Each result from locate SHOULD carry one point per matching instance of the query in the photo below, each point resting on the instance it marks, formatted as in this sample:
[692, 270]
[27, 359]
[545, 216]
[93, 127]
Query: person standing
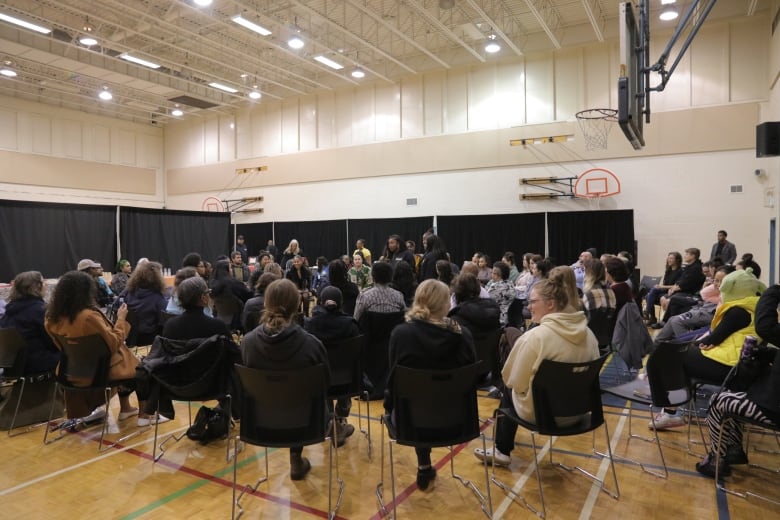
[273, 251]
[724, 249]
[242, 248]
[360, 245]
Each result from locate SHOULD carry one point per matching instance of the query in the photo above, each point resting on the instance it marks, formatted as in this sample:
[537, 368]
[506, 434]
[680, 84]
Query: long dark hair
[677, 259]
[221, 270]
[337, 274]
[401, 247]
[404, 281]
[435, 246]
[74, 292]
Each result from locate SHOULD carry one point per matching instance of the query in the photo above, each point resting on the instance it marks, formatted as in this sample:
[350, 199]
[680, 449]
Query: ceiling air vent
[192, 102]
[735, 188]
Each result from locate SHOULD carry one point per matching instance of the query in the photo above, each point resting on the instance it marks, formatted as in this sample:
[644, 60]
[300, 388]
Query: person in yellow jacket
[711, 356]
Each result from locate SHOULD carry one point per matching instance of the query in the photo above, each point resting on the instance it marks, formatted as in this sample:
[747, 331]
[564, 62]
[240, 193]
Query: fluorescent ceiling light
[220, 86]
[330, 63]
[177, 112]
[262, 31]
[669, 13]
[105, 95]
[87, 40]
[358, 73]
[255, 94]
[295, 42]
[8, 73]
[25, 24]
[202, 3]
[139, 61]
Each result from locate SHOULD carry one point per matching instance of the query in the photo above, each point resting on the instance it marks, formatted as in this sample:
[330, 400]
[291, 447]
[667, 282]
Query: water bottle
[748, 348]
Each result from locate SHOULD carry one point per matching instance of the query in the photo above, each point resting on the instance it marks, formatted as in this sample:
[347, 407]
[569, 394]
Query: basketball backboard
[632, 83]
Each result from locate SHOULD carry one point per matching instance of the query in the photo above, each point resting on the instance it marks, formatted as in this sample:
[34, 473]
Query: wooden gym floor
[69, 479]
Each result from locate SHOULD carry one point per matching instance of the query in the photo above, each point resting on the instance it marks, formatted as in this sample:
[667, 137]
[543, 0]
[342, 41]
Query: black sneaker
[707, 466]
[299, 467]
[425, 476]
[735, 455]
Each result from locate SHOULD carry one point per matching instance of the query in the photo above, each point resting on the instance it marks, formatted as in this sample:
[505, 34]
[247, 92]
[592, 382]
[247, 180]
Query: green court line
[192, 487]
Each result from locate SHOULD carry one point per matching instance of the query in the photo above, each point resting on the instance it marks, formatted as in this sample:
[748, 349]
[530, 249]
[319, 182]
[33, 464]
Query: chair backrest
[514, 315]
[669, 385]
[648, 282]
[567, 390]
[486, 346]
[84, 357]
[435, 407]
[602, 322]
[228, 308]
[379, 325]
[283, 408]
[164, 317]
[12, 345]
[346, 371]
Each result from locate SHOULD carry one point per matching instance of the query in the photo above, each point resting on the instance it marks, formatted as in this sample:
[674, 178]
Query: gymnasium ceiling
[195, 46]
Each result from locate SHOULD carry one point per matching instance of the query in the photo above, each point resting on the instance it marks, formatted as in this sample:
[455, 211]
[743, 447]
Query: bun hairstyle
[747, 261]
[553, 288]
[431, 300]
[282, 299]
[563, 276]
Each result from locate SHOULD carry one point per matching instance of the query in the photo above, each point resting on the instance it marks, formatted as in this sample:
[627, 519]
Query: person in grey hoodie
[279, 343]
[562, 335]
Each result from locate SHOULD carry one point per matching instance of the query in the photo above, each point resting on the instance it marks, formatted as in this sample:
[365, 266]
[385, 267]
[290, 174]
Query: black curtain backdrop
[166, 236]
[572, 232]
[326, 238]
[492, 234]
[376, 230]
[256, 236]
[52, 238]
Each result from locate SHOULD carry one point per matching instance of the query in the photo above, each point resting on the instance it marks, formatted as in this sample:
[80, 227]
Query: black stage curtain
[52, 238]
[376, 230]
[166, 236]
[326, 238]
[572, 232]
[492, 234]
[256, 236]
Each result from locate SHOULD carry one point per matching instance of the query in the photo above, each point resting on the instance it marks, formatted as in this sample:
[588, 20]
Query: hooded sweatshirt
[560, 336]
[479, 315]
[26, 315]
[289, 349]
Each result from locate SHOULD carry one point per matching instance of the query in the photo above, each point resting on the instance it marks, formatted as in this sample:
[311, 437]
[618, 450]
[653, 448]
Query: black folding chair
[377, 327]
[346, 376]
[12, 360]
[562, 390]
[431, 409]
[514, 315]
[602, 322]
[486, 346]
[284, 409]
[666, 385]
[84, 357]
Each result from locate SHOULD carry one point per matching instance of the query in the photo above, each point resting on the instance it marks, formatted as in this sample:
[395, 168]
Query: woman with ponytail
[279, 343]
[428, 340]
[562, 335]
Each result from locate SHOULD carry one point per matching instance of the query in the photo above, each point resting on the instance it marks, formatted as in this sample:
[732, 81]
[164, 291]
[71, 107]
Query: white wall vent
[411, 202]
[735, 188]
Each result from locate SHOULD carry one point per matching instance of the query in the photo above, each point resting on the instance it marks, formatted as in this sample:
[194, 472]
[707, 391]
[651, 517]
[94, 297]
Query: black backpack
[210, 424]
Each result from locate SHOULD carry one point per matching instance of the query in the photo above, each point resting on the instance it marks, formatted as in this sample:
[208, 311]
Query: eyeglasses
[533, 302]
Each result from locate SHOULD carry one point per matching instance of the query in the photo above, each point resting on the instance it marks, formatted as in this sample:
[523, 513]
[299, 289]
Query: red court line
[217, 480]
[413, 487]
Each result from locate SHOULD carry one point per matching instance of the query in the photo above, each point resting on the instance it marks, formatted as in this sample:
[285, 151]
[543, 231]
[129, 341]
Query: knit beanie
[740, 284]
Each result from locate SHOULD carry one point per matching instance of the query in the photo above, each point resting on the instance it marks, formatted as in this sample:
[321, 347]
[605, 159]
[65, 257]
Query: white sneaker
[665, 421]
[497, 458]
[146, 421]
[97, 415]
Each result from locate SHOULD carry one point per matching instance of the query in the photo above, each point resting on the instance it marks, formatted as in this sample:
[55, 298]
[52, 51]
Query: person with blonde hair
[293, 249]
[279, 343]
[428, 340]
[562, 335]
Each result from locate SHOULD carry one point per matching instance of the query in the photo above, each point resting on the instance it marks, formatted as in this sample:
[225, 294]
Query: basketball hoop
[595, 124]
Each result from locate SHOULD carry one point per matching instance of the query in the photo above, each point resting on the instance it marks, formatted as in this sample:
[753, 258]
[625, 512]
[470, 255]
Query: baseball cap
[86, 264]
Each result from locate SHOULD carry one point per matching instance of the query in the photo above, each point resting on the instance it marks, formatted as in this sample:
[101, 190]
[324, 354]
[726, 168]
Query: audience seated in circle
[253, 308]
[404, 281]
[122, 275]
[501, 290]
[381, 297]
[144, 298]
[360, 273]
[337, 277]
[672, 272]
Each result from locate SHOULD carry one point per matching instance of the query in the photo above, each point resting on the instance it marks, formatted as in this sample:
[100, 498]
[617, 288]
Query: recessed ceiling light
[251, 25]
[24, 23]
[202, 3]
[177, 112]
[87, 40]
[295, 42]
[255, 94]
[329, 62]
[105, 94]
[358, 73]
[139, 61]
[220, 86]
[8, 73]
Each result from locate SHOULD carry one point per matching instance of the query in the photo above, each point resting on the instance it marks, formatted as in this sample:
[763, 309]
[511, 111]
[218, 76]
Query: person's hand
[702, 346]
[121, 313]
[657, 286]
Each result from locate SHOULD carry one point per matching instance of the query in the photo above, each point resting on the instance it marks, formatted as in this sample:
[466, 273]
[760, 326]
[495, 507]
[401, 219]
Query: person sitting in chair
[562, 335]
[381, 297]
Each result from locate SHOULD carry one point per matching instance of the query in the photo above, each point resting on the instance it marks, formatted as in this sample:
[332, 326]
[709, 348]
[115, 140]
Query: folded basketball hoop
[595, 124]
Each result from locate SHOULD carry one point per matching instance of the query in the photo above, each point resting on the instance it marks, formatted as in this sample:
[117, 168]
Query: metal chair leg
[333, 452]
[486, 504]
[631, 435]
[380, 485]
[29, 428]
[247, 487]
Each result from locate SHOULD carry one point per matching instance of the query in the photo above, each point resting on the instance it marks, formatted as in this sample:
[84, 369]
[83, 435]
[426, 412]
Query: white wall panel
[510, 93]
[101, 143]
[326, 120]
[227, 138]
[569, 81]
[540, 88]
[123, 146]
[363, 116]
[8, 129]
[456, 102]
[710, 64]
[243, 132]
[598, 79]
[69, 133]
[433, 103]
[272, 130]
[412, 100]
[290, 122]
[343, 117]
[149, 152]
[40, 127]
[308, 123]
[211, 139]
[256, 133]
[388, 111]
[749, 59]
[482, 102]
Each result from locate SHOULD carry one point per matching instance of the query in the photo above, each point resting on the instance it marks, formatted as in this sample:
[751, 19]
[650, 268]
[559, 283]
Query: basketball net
[595, 124]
